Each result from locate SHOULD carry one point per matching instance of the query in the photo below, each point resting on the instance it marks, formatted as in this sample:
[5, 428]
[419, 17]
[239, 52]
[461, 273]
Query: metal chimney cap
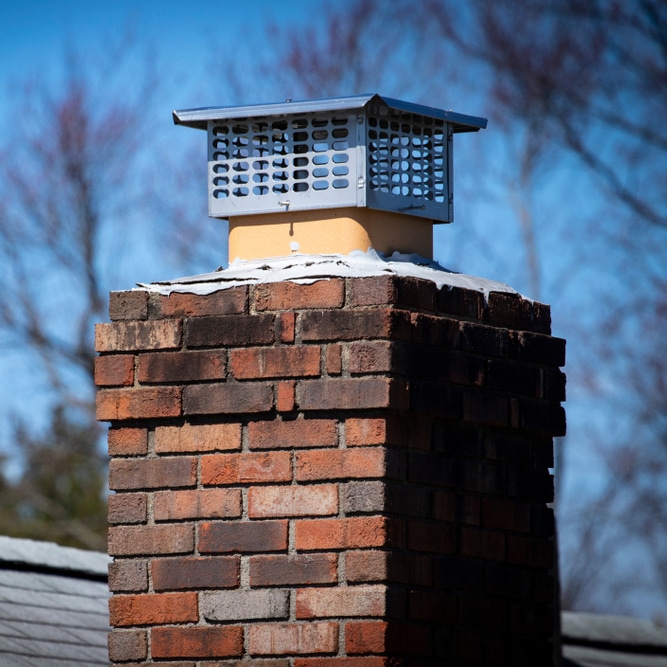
[198, 118]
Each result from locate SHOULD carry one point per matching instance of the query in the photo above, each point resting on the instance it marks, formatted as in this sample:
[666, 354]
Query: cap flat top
[198, 118]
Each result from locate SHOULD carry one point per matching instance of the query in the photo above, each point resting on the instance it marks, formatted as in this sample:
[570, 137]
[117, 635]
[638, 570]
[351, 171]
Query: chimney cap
[198, 118]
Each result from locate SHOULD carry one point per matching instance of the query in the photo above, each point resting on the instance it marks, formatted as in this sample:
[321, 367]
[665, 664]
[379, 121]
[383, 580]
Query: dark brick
[128, 305]
[160, 473]
[243, 536]
[218, 398]
[160, 367]
[461, 301]
[428, 468]
[541, 416]
[127, 508]
[302, 569]
[510, 311]
[343, 394]
[339, 325]
[442, 332]
[406, 292]
[229, 330]
[541, 349]
[173, 574]
[487, 341]
[436, 398]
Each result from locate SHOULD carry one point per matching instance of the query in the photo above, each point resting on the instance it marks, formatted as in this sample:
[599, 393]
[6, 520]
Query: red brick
[224, 302]
[242, 536]
[197, 438]
[128, 576]
[363, 566]
[403, 291]
[340, 325]
[376, 356]
[356, 463]
[431, 536]
[285, 327]
[114, 370]
[127, 508]
[145, 403]
[341, 601]
[230, 330]
[131, 305]
[130, 336]
[218, 398]
[334, 361]
[354, 533]
[195, 573]
[163, 367]
[275, 362]
[152, 473]
[251, 468]
[296, 570]
[365, 637]
[197, 504]
[292, 501]
[127, 645]
[291, 434]
[285, 396]
[198, 642]
[366, 431]
[347, 394]
[153, 609]
[149, 540]
[292, 638]
[293, 296]
[128, 441]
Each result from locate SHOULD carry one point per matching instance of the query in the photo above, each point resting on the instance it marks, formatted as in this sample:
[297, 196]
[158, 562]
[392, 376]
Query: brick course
[351, 472]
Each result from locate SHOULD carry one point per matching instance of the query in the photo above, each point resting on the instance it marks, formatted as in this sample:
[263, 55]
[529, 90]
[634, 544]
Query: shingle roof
[594, 640]
[53, 605]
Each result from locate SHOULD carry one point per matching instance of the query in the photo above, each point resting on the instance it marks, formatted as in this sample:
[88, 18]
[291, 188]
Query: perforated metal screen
[274, 164]
[361, 151]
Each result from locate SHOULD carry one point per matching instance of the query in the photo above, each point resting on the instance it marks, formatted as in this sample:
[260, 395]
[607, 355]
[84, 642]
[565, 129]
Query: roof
[595, 640]
[53, 605]
[199, 118]
[53, 613]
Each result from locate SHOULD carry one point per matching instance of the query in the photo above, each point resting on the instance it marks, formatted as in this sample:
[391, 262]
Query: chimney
[329, 460]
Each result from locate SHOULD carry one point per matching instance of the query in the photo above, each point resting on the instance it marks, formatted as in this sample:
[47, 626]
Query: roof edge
[199, 117]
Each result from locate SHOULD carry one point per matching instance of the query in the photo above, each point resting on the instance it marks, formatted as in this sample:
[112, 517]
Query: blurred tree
[60, 494]
[80, 200]
[578, 88]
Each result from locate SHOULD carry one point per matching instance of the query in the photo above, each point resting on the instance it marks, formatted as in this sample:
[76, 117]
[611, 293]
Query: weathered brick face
[349, 473]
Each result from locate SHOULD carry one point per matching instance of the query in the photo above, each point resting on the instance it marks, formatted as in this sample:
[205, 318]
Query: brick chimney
[348, 470]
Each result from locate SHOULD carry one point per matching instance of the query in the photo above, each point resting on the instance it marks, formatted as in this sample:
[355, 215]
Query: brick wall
[352, 472]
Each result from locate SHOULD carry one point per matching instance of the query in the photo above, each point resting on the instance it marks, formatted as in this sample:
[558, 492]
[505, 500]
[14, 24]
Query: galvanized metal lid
[199, 118]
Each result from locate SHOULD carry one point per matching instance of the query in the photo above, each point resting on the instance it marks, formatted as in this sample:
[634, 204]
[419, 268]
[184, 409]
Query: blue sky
[190, 41]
